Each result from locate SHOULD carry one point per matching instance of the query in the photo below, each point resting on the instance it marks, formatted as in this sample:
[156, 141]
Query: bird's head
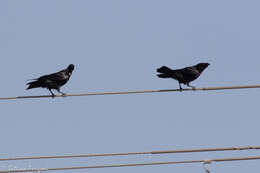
[70, 67]
[202, 66]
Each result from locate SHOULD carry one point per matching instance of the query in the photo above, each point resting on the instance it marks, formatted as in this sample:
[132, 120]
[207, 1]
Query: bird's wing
[177, 74]
[59, 76]
[190, 71]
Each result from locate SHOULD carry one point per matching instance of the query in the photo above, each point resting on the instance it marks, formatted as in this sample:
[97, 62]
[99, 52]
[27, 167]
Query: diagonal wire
[135, 164]
[135, 153]
[135, 92]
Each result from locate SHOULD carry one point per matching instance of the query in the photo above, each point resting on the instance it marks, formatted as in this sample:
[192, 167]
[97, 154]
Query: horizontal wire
[135, 164]
[135, 153]
[136, 92]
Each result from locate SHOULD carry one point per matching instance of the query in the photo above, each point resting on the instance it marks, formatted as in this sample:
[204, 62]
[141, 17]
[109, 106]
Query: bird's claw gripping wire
[192, 87]
[63, 95]
[180, 87]
[52, 94]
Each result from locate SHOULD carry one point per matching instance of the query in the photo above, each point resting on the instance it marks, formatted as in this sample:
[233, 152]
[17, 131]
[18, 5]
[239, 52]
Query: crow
[53, 81]
[185, 75]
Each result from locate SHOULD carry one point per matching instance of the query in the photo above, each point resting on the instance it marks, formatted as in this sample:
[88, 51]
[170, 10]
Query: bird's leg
[180, 87]
[193, 87]
[62, 93]
[52, 94]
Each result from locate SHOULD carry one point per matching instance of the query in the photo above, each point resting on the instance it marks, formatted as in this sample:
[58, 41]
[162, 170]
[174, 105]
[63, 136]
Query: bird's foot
[52, 94]
[63, 95]
[192, 87]
[180, 87]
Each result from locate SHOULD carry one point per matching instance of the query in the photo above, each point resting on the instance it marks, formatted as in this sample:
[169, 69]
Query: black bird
[185, 75]
[53, 81]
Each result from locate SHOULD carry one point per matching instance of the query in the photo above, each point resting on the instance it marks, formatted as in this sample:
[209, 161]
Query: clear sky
[117, 45]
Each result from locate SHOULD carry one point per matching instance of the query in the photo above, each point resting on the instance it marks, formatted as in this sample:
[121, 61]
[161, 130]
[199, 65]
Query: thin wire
[135, 153]
[135, 92]
[134, 164]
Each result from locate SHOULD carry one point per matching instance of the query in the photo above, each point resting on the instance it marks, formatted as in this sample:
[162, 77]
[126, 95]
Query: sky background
[117, 45]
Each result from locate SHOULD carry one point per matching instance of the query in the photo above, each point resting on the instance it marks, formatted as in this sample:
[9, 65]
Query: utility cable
[135, 92]
[135, 153]
[135, 164]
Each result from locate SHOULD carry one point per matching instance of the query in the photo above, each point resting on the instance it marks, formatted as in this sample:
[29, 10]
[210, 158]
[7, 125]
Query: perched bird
[185, 75]
[52, 81]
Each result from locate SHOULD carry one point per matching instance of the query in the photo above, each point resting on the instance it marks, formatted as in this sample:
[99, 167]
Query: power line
[136, 92]
[135, 153]
[135, 164]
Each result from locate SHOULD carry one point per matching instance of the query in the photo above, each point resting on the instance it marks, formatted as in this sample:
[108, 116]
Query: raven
[53, 81]
[185, 75]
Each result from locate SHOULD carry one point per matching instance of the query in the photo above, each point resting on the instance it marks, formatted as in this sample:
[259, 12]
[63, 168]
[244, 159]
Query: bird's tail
[34, 84]
[166, 72]
[32, 79]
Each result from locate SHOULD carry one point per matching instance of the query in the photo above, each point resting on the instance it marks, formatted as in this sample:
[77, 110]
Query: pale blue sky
[117, 45]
